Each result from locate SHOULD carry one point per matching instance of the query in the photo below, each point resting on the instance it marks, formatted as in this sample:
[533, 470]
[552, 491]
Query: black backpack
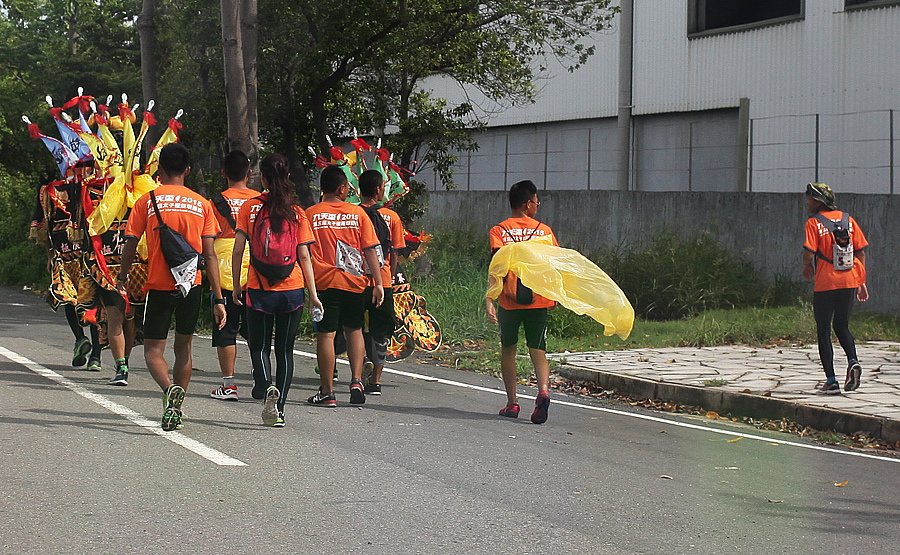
[224, 209]
[382, 231]
[842, 249]
[175, 248]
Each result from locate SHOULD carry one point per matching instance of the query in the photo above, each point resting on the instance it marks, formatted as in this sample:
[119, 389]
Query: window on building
[722, 15]
[869, 3]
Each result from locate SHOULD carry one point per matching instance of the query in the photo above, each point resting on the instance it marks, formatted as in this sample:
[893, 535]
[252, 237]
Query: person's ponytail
[280, 198]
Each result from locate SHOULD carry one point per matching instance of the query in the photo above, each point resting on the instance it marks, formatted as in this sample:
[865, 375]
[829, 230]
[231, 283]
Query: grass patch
[452, 278]
[715, 383]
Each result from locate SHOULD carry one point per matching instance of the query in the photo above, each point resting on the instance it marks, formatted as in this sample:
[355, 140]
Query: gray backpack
[842, 246]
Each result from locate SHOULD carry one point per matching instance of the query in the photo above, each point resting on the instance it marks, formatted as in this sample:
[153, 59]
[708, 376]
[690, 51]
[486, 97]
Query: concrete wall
[766, 228]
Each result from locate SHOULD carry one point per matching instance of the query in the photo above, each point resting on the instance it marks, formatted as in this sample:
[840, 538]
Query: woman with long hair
[278, 234]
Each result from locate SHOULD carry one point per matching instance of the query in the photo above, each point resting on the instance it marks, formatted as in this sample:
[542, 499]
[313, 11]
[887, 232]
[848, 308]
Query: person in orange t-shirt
[381, 318]
[838, 276]
[519, 306]
[190, 215]
[273, 303]
[226, 205]
[344, 248]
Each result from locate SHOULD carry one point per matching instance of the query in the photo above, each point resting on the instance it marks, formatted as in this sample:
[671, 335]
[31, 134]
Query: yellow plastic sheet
[224, 248]
[567, 277]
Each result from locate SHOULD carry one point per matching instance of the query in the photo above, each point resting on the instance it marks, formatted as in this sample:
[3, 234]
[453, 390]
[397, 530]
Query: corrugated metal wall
[837, 67]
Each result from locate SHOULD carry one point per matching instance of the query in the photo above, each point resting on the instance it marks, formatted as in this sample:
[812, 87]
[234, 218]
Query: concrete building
[725, 95]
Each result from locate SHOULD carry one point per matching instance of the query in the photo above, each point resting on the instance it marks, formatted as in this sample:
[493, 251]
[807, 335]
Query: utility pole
[626, 60]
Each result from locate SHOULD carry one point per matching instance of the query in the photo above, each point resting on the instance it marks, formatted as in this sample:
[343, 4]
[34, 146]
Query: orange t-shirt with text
[515, 230]
[820, 241]
[398, 241]
[342, 231]
[184, 211]
[235, 198]
[246, 220]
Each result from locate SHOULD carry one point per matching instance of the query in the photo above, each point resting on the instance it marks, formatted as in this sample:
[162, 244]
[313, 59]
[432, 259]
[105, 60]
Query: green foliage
[21, 261]
[674, 277]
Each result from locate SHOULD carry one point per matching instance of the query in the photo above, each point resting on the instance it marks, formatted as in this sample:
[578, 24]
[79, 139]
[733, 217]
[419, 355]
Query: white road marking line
[622, 413]
[192, 445]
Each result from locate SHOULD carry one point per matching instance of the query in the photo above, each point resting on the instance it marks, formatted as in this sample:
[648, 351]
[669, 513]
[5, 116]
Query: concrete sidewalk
[758, 382]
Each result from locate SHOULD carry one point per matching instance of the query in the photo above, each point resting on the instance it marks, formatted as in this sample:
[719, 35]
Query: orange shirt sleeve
[305, 235]
[398, 236]
[137, 221]
[243, 218]
[859, 238]
[210, 225]
[496, 240]
[812, 235]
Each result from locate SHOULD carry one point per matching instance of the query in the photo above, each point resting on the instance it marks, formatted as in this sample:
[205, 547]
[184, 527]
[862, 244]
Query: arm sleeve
[137, 221]
[210, 225]
[398, 236]
[243, 219]
[812, 235]
[859, 238]
[305, 235]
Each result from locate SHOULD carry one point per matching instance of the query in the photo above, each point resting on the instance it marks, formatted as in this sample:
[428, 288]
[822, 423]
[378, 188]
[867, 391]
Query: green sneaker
[171, 418]
[81, 351]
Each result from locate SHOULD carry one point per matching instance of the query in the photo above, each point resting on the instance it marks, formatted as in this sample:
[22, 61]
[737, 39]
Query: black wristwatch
[219, 301]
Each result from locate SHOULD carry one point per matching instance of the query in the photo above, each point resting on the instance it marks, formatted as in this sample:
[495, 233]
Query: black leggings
[259, 339]
[832, 308]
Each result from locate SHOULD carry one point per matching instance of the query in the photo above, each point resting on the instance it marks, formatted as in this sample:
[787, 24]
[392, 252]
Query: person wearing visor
[834, 259]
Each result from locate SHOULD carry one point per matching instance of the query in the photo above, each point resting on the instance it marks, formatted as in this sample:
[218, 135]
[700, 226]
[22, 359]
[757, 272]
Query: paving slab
[759, 382]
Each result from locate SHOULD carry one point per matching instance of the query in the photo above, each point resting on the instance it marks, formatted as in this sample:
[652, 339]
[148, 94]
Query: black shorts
[235, 323]
[110, 299]
[381, 321]
[162, 305]
[533, 319]
[342, 308]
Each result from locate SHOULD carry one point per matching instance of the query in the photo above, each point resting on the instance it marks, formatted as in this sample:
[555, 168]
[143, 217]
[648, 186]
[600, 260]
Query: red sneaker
[510, 411]
[541, 406]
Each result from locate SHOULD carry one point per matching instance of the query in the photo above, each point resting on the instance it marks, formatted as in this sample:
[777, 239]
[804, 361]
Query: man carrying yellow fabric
[519, 305]
[227, 204]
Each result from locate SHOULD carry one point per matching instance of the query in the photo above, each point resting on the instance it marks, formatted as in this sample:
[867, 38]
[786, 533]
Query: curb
[739, 404]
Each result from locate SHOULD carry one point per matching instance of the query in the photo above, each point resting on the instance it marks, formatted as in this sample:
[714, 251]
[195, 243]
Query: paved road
[426, 468]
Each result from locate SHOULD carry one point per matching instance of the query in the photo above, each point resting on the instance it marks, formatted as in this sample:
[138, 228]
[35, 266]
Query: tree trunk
[249, 34]
[146, 24]
[235, 82]
[72, 34]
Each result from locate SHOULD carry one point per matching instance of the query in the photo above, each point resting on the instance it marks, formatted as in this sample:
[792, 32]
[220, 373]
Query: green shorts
[534, 321]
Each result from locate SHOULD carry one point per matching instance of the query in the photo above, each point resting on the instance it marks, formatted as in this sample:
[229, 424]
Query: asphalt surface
[426, 468]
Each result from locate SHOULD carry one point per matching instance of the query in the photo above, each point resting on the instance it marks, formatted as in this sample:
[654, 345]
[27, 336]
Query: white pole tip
[26, 120]
[150, 105]
[49, 100]
[179, 113]
[80, 91]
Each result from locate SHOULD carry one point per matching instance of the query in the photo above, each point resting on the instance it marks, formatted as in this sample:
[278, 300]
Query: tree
[146, 24]
[239, 38]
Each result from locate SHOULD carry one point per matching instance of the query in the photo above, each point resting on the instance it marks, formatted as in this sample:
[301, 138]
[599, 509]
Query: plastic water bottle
[317, 314]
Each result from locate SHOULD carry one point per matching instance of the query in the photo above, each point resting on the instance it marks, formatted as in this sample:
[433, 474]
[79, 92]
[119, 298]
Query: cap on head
[822, 193]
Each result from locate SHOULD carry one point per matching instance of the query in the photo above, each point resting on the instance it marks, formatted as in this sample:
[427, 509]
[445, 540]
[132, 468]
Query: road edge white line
[190, 444]
[647, 417]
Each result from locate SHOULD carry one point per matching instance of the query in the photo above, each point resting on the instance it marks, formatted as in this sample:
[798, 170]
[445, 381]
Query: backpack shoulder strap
[845, 220]
[829, 225]
[222, 207]
[156, 208]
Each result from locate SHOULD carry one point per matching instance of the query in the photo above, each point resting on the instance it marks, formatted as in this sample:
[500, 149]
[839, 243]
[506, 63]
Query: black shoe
[121, 377]
[324, 400]
[373, 389]
[829, 388]
[259, 390]
[854, 371]
[81, 351]
[357, 393]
